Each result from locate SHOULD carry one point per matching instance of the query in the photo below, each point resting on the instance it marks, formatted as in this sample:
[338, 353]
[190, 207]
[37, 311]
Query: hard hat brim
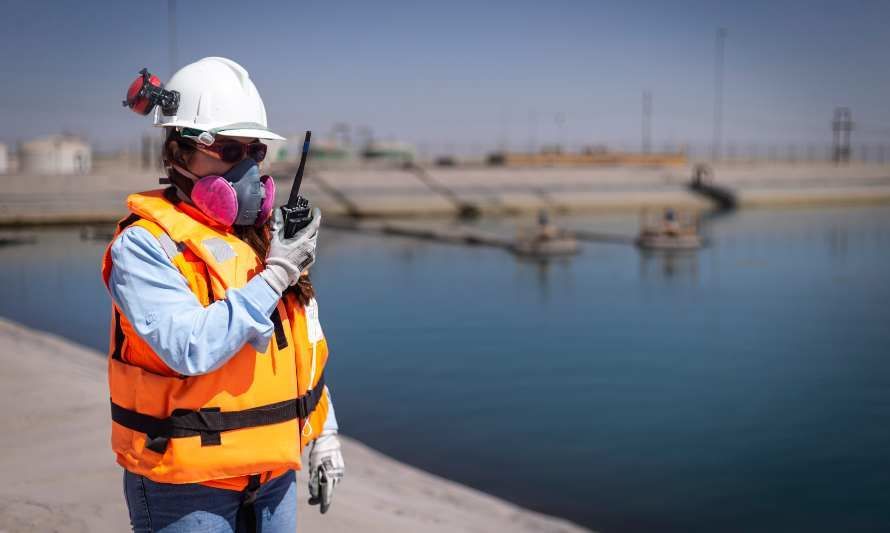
[239, 132]
[251, 134]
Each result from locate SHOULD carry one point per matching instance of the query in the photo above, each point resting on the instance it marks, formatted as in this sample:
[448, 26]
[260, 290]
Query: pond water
[744, 387]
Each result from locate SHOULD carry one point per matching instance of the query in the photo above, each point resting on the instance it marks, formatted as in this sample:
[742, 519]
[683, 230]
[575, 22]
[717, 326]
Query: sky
[459, 75]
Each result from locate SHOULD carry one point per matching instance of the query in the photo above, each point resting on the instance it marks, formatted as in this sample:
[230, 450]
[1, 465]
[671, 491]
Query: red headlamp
[147, 91]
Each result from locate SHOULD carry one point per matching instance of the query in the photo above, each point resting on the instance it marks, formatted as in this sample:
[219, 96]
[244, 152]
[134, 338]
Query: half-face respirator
[240, 197]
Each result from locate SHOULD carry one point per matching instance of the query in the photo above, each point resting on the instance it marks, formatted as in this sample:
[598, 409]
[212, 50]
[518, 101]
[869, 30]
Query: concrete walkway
[59, 473]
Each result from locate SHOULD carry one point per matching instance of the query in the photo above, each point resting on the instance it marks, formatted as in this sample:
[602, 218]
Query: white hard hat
[216, 96]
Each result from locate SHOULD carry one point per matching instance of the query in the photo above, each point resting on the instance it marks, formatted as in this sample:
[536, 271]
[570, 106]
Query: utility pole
[560, 120]
[171, 24]
[503, 141]
[647, 122]
[718, 94]
[532, 131]
[841, 127]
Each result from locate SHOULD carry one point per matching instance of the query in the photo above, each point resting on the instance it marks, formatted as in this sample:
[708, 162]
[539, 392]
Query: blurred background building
[55, 154]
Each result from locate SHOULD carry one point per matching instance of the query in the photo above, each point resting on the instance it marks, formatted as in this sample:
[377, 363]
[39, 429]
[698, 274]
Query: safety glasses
[232, 151]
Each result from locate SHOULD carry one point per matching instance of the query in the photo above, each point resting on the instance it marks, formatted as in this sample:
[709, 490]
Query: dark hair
[177, 150]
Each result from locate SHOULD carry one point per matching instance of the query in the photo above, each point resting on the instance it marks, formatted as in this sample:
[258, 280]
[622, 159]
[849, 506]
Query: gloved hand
[326, 469]
[287, 258]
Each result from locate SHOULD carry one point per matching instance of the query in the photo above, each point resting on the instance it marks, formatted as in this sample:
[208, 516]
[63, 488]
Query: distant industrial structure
[55, 154]
[841, 126]
[587, 157]
[4, 159]
[338, 149]
[321, 149]
[390, 151]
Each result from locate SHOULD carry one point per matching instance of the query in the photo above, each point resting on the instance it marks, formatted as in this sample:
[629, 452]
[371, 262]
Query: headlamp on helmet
[147, 91]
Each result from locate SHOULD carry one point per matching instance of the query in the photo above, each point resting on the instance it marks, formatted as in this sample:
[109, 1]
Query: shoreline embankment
[59, 473]
[447, 191]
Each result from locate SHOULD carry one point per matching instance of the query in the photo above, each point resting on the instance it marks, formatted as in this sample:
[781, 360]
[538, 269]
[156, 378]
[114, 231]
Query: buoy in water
[545, 240]
[671, 232]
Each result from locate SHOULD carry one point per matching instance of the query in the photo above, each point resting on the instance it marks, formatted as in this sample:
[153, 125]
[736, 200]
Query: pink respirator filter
[217, 199]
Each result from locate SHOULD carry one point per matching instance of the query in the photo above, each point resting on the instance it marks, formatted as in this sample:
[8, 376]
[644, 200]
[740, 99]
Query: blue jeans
[171, 508]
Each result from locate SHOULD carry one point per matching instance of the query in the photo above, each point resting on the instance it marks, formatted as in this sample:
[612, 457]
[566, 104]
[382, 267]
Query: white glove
[288, 258]
[326, 469]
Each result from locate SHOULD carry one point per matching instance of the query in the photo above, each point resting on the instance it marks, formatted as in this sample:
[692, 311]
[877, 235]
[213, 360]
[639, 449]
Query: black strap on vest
[132, 218]
[280, 337]
[245, 520]
[210, 422]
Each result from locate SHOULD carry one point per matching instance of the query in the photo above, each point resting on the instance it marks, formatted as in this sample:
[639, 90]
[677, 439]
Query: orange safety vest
[239, 420]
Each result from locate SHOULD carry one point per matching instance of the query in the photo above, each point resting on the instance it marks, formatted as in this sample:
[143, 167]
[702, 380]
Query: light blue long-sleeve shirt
[190, 338]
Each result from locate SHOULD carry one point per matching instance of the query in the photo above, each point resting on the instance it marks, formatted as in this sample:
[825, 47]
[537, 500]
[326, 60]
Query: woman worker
[217, 358]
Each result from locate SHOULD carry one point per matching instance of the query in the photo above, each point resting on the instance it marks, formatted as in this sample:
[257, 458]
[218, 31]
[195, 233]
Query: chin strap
[182, 180]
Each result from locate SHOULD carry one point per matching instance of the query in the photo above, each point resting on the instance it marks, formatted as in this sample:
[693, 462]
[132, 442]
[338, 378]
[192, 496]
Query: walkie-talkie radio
[297, 211]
